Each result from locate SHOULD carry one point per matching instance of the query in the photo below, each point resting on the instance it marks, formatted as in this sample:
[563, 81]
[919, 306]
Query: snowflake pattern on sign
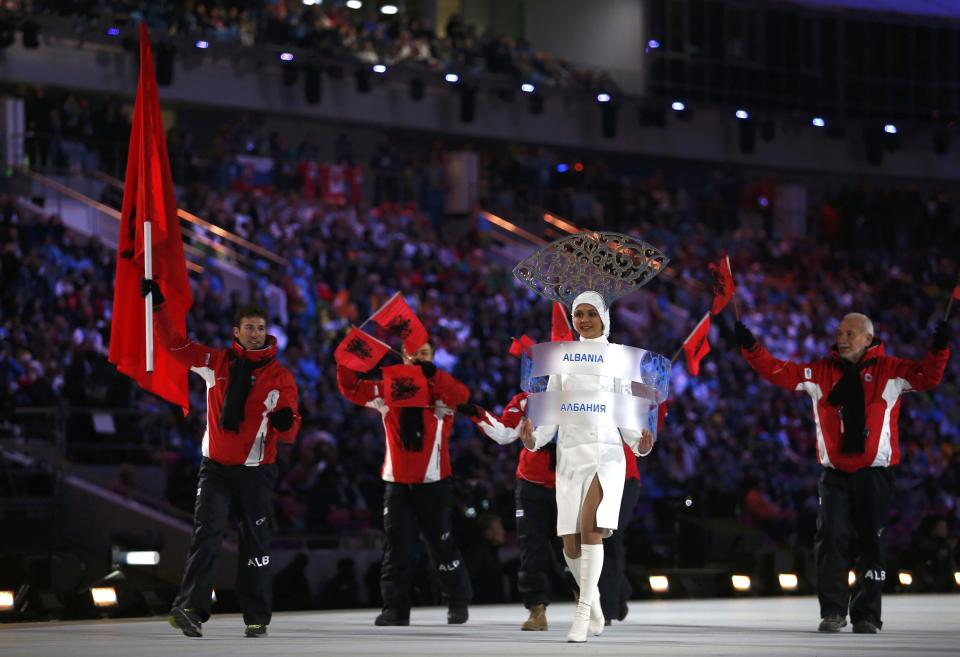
[611, 264]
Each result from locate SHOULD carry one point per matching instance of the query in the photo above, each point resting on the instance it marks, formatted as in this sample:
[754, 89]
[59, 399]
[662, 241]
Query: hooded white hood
[595, 300]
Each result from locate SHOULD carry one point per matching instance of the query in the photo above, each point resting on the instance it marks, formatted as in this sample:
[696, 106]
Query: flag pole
[953, 295]
[148, 300]
[736, 306]
[677, 355]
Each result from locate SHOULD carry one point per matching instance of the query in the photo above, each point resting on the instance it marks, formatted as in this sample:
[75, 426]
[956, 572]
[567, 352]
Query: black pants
[536, 510]
[614, 586]
[409, 509]
[247, 492]
[851, 528]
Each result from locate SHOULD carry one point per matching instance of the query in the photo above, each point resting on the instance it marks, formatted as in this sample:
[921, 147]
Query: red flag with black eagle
[398, 319]
[723, 285]
[405, 385]
[148, 196]
[697, 346]
[359, 351]
[560, 330]
[521, 345]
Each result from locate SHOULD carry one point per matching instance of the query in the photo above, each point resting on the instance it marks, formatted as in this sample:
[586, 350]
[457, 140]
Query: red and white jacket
[532, 466]
[400, 465]
[884, 379]
[255, 442]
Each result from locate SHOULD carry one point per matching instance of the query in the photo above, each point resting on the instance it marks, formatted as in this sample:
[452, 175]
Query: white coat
[585, 451]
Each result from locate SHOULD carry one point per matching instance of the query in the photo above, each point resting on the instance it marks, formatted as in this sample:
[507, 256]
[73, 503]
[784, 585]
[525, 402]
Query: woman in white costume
[590, 471]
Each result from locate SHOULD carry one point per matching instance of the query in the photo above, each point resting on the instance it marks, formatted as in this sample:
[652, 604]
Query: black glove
[744, 336]
[429, 369]
[148, 285]
[470, 410]
[941, 336]
[282, 418]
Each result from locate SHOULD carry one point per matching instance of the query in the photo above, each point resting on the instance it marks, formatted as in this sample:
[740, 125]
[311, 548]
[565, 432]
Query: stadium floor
[914, 625]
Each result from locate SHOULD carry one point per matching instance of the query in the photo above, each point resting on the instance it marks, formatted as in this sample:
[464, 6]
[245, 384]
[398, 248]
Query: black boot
[391, 616]
[457, 615]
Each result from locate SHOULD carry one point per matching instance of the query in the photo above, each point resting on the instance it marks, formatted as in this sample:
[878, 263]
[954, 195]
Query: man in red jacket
[416, 469]
[536, 507]
[251, 404]
[856, 402]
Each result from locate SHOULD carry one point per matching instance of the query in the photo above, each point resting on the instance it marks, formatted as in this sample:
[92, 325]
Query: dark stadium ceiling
[946, 8]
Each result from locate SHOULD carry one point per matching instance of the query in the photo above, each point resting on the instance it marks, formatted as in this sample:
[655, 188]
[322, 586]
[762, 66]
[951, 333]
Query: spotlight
[608, 113]
[677, 106]
[121, 557]
[688, 501]
[286, 56]
[818, 122]
[788, 581]
[362, 77]
[536, 104]
[659, 583]
[743, 115]
[653, 44]
[417, 89]
[562, 168]
[113, 31]
[104, 596]
[906, 579]
[354, 4]
[603, 98]
[890, 129]
[31, 34]
[379, 68]
[578, 167]
[956, 578]
[389, 10]
[309, 3]
[468, 104]
[527, 88]
[6, 600]
[165, 53]
[201, 44]
[452, 78]
[312, 84]
[851, 578]
[740, 582]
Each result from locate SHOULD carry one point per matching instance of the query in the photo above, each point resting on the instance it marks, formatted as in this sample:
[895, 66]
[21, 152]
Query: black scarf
[411, 429]
[238, 389]
[848, 396]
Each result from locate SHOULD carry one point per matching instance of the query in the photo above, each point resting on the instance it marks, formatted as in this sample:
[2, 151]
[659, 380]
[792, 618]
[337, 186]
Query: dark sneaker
[457, 615]
[185, 620]
[624, 610]
[865, 627]
[832, 623]
[254, 631]
[393, 617]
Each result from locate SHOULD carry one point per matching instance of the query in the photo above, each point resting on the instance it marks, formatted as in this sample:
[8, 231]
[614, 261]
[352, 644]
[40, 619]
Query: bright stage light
[743, 115]
[389, 10]
[890, 129]
[527, 88]
[452, 78]
[678, 106]
[286, 56]
[113, 31]
[788, 581]
[562, 168]
[740, 582]
[653, 44]
[659, 583]
[603, 98]
[956, 578]
[202, 45]
[141, 558]
[906, 579]
[818, 122]
[851, 578]
[354, 4]
[379, 68]
[104, 596]
[6, 600]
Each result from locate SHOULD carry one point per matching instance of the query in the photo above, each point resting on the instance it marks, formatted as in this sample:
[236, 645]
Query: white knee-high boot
[591, 563]
[596, 611]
